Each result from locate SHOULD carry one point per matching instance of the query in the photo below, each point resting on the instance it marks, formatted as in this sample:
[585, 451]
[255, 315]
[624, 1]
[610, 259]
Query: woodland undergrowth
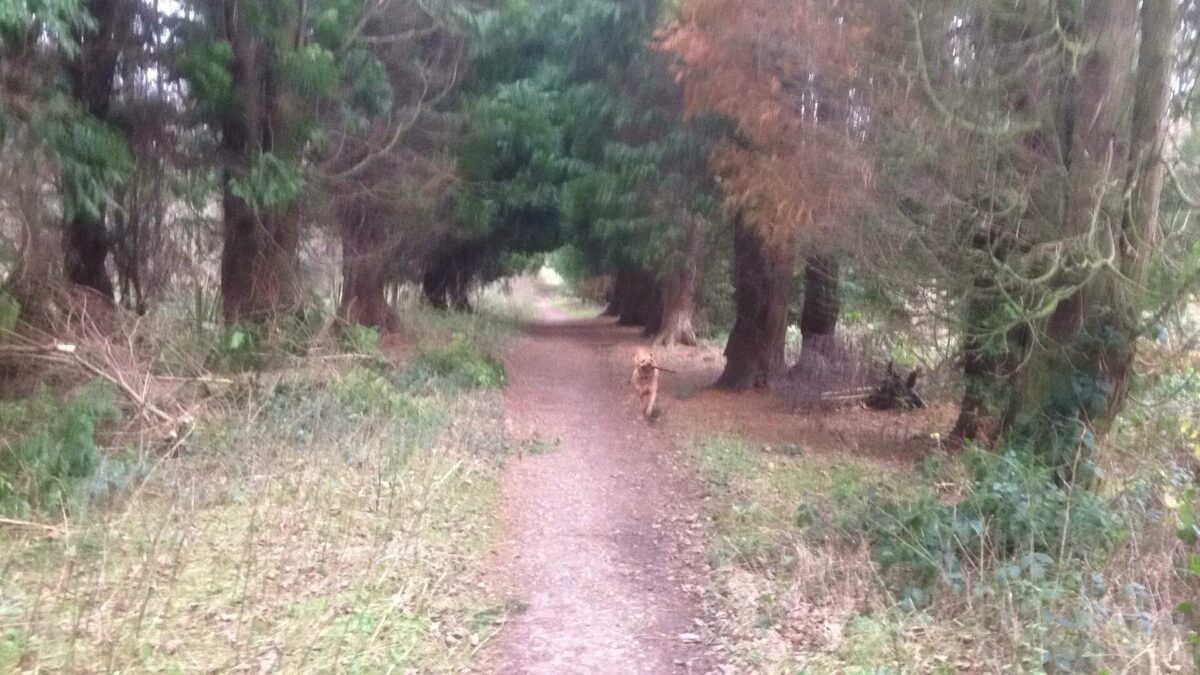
[324, 509]
[965, 562]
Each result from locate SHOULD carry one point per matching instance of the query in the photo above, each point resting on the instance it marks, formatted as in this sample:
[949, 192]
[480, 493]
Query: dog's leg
[650, 403]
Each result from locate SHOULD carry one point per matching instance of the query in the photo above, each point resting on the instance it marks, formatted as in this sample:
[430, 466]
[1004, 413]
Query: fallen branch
[66, 354]
[204, 379]
[844, 397]
[10, 522]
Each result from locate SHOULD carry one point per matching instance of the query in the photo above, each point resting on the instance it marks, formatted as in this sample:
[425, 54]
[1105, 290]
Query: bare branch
[1005, 129]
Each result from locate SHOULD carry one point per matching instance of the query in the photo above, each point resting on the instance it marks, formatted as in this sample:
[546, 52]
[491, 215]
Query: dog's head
[643, 360]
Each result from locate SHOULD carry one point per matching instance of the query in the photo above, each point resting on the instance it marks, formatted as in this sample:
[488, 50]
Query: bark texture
[446, 283]
[1080, 373]
[679, 293]
[762, 276]
[365, 257]
[260, 255]
[636, 299]
[91, 73]
[991, 351]
[822, 308]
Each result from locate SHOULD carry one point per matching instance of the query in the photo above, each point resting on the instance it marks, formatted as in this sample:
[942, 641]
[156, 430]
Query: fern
[48, 450]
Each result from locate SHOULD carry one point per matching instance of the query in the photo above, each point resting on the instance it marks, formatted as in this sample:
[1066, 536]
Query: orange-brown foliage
[770, 66]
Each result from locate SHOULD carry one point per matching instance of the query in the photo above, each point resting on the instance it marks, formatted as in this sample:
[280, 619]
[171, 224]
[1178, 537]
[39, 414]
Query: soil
[891, 437]
[603, 541]
[597, 515]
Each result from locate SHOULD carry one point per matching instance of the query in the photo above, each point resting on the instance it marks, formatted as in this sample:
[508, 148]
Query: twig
[843, 397]
[64, 353]
[206, 379]
[32, 525]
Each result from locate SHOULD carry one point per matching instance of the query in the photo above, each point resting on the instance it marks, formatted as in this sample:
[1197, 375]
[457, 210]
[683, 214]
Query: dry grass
[795, 587]
[296, 529]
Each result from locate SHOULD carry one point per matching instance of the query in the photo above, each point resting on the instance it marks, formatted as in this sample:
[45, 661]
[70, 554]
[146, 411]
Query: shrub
[1015, 534]
[362, 391]
[246, 346]
[358, 339]
[49, 451]
[1012, 517]
[457, 364]
[238, 348]
[10, 311]
[1185, 504]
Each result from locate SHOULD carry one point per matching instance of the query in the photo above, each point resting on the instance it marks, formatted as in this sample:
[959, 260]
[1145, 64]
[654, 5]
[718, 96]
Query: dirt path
[596, 516]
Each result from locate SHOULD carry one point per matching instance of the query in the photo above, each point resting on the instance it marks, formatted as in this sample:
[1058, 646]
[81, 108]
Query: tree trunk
[1064, 393]
[85, 241]
[1140, 228]
[460, 291]
[992, 350]
[616, 293]
[258, 262]
[822, 307]
[637, 299]
[446, 283]
[679, 294]
[435, 283]
[85, 253]
[625, 296]
[260, 254]
[364, 272]
[652, 312]
[762, 275]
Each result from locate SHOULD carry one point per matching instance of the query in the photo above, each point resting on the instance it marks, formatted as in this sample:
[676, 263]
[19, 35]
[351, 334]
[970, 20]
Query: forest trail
[596, 513]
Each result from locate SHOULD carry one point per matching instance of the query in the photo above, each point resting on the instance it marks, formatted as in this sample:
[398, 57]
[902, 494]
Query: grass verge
[796, 542]
[324, 525]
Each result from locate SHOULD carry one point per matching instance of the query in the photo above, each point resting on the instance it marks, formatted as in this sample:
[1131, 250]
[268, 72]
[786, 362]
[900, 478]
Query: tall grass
[324, 523]
[815, 572]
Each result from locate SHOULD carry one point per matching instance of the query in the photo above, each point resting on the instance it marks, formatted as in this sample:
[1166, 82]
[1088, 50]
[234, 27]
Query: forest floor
[731, 535]
[610, 522]
[424, 510]
[599, 517]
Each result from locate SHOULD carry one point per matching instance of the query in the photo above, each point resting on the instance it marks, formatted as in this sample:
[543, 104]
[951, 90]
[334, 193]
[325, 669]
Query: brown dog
[645, 380]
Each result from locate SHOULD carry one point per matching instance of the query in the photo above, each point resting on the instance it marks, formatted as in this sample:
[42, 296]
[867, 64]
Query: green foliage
[1011, 516]
[312, 69]
[364, 392]
[312, 75]
[205, 65]
[248, 346]
[575, 135]
[1014, 534]
[58, 20]
[1058, 429]
[1184, 503]
[458, 364]
[93, 157]
[571, 263]
[513, 157]
[367, 86]
[588, 39]
[1014, 537]
[333, 23]
[11, 648]
[10, 311]
[359, 339]
[272, 183]
[238, 348]
[49, 448]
